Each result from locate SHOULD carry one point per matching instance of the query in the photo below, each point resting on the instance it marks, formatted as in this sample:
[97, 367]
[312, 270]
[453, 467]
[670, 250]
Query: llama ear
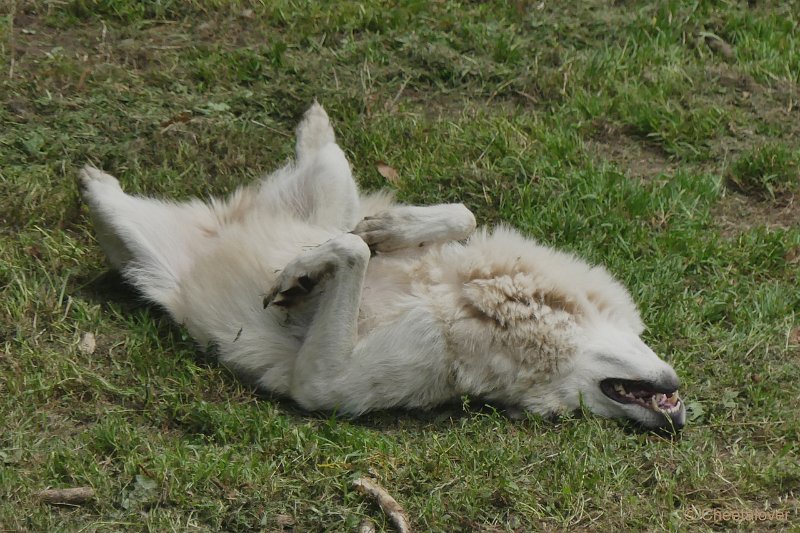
[504, 299]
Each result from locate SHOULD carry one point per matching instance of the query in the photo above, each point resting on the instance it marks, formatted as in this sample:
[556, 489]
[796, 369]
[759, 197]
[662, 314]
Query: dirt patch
[730, 78]
[636, 159]
[736, 213]
[761, 111]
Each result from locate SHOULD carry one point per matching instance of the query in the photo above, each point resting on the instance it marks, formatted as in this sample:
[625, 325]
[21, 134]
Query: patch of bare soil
[636, 159]
[736, 213]
[772, 107]
[33, 39]
[758, 107]
[772, 103]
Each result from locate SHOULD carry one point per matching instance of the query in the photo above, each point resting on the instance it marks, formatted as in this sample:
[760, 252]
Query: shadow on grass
[110, 287]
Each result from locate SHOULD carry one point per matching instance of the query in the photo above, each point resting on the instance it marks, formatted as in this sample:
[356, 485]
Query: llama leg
[319, 188]
[338, 267]
[152, 242]
[410, 226]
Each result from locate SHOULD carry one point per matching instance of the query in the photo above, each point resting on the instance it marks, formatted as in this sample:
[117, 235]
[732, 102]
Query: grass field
[661, 139]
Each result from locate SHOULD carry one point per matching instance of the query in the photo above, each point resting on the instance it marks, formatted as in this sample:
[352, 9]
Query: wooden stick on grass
[387, 504]
[71, 496]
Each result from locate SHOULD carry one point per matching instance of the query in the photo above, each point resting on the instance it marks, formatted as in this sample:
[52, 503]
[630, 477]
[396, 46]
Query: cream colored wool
[435, 312]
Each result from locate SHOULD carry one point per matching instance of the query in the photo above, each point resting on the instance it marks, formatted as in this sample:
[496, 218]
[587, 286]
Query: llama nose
[668, 380]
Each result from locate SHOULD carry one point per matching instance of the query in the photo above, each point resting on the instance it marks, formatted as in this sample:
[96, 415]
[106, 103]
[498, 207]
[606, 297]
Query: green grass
[770, 171]
[610, 129]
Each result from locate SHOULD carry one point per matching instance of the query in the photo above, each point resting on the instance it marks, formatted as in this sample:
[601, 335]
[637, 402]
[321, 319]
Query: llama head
[541, 330]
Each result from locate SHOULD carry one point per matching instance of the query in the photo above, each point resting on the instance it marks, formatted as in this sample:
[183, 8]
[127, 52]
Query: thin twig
[270, 128]
[387, 504]
[399, 92]
[11, 42]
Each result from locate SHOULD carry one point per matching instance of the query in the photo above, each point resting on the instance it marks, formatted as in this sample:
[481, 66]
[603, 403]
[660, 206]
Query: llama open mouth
[644, 393]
